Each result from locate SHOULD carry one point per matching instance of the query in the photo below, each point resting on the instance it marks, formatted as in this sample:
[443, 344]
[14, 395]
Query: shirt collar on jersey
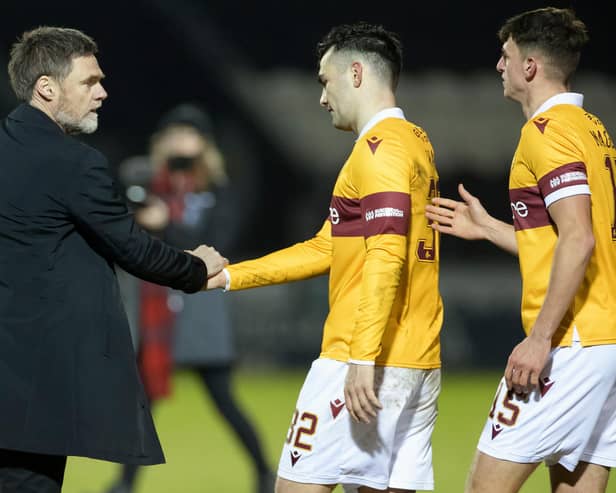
[574, 98]
[381, 115]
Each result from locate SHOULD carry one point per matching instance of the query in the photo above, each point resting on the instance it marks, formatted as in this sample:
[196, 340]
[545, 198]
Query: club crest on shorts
[336, 406]
[496, 429]
[295, 456]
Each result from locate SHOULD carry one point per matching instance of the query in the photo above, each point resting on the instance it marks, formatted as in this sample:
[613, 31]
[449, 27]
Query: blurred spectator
[181, 192]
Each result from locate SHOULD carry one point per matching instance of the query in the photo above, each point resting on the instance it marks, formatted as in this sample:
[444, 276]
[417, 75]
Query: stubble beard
[73, 124]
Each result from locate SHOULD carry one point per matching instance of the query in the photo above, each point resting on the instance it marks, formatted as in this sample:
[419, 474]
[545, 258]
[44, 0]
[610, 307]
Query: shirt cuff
[361, 362]
[228, 280]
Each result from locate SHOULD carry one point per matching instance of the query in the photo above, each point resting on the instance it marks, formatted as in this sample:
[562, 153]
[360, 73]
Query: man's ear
[357, 73]
[46, 87]
[530, 68]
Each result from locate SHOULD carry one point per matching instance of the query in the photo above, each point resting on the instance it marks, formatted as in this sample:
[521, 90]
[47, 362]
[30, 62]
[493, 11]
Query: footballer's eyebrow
[321, 79]
[93, 79]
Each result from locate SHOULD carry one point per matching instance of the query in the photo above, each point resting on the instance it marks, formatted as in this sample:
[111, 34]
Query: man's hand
[527, 361]
[470, 221]
[360, 399]
[213, 260]
[218, 281]
[467, 219]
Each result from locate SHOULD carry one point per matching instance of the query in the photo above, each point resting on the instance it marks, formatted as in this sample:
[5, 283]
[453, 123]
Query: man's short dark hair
[367, 39]
[557, 33]
[45, 51]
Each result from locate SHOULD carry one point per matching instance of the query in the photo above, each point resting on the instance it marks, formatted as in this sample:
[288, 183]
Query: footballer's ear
[357, 73]
[46, 88]
[531, 64]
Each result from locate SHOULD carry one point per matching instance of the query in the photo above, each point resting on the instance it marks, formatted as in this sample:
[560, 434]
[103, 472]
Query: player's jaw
[505, 88]
[338, 121]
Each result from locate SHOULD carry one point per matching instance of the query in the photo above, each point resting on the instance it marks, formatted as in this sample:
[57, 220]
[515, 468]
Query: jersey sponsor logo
[383, 212]
[528, 208]
[336, 406]
[345, 216]
[373, 143]
[567, 175]
[545, 384]
[566, 178]
[334, 217]
[519, 208]
[295, 456]
[386, 213]
[541, 123]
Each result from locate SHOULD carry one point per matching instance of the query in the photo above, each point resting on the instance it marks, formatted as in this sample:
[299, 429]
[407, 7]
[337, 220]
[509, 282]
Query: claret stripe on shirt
[375, 214]
[553, 184]
[345, 217]
[386, 213]
[528, 208]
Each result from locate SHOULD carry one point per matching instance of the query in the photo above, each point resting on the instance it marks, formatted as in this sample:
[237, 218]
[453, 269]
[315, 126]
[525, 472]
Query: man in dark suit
[68, 378]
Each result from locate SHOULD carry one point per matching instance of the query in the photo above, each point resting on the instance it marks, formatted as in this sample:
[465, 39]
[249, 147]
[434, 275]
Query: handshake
[215, 264]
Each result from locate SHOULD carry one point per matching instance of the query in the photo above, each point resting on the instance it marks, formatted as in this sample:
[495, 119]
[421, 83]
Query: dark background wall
[150, 58]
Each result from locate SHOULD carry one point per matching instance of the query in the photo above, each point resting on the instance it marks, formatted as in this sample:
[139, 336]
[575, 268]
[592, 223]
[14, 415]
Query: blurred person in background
[68, 379]
[557, 400]
[182, 194]
[365, 414]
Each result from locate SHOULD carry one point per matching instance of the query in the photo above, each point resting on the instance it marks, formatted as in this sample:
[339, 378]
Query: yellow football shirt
[381, 254]
[565, 151]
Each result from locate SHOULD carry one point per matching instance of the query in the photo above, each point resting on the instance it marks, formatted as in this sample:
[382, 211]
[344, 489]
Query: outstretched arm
[469, 220]
[301, 261]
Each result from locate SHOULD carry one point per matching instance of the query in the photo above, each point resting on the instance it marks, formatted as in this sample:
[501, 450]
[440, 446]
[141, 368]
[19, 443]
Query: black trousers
[25, 472]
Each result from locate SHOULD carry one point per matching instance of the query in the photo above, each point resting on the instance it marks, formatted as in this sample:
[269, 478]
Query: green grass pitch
[204, 456]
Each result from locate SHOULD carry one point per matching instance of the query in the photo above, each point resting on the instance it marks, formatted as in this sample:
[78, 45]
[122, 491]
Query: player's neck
[371, 107]
[540, 95]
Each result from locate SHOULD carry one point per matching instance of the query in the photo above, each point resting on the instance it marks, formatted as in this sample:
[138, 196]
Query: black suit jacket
[68, 379]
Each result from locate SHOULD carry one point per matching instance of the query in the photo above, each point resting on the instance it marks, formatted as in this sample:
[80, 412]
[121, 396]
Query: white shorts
[571, 417]
[325, 446]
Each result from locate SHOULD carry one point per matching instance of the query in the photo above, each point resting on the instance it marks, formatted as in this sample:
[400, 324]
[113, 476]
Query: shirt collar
[574, 98]
[381, 115]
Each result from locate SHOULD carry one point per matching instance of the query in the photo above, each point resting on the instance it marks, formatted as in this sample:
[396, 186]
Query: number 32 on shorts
[297, 435]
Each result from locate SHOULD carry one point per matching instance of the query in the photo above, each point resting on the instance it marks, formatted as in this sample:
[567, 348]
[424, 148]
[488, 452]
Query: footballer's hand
[525, 364]
[360, 399]
[212, 259]
[218, 281]
[468, 219]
